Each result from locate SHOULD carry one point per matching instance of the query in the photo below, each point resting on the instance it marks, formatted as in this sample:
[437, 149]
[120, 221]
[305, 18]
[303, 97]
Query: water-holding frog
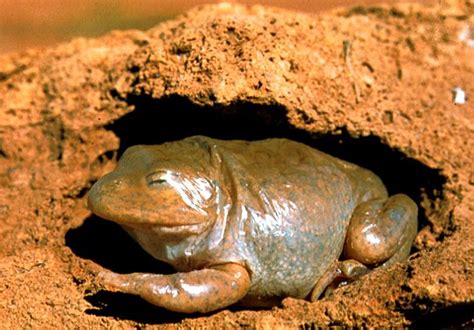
[249, 222]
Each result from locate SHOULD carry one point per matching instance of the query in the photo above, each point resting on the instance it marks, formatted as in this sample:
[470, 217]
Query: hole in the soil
[174, 118]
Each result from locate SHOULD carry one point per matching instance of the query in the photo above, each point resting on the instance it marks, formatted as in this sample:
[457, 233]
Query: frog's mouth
[181, 230]
[166, 232]
[162, 221]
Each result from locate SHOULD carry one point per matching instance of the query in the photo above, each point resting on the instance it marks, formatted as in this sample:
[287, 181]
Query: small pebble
[459, 95]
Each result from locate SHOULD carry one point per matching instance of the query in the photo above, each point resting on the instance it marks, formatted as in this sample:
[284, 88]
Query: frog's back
[277, 164]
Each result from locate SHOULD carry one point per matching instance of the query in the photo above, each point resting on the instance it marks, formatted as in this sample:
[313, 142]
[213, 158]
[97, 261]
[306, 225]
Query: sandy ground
[384, 101]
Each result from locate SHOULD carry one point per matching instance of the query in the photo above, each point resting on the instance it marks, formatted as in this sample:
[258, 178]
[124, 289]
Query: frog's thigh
[382, 231]
[197, 291]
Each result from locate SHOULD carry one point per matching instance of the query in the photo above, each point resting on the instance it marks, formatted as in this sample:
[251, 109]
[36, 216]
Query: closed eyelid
[161, 177]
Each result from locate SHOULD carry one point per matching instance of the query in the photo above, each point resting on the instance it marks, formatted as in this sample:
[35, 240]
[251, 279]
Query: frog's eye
[159, 178]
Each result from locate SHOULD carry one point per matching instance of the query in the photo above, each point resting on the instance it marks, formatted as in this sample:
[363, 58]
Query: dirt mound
[372, 85]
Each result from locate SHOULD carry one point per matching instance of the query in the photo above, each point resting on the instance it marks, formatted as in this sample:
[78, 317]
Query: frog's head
[165, 189]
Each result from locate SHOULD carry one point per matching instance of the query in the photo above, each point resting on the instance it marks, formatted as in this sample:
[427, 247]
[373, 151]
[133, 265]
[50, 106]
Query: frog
[249, 222]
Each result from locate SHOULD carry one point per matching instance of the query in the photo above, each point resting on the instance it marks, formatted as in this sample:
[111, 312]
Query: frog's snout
[94, 196]
[98, 199]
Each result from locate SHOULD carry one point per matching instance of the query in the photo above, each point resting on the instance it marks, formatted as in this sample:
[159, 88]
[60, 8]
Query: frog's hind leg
[381, 231]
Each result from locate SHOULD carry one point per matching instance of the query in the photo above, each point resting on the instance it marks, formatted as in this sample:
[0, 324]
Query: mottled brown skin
[249, 222]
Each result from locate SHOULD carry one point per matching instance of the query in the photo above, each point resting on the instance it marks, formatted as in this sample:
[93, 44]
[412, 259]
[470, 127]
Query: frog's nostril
[117, 182]
[103, 188]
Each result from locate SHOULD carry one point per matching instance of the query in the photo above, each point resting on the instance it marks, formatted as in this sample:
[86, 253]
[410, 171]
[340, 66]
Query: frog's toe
[106, 277]
[112, 279]
[128, 283]
[338, 274]
[352, 269]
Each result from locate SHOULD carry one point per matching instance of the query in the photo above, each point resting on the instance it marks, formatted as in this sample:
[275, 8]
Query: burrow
[155, 121]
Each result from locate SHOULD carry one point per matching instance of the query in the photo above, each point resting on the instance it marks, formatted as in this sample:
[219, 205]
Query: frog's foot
[381, 231]
[197, 291]
[339, 274]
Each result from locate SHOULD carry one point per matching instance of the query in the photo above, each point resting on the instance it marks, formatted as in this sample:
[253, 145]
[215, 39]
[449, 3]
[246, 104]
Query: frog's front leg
[197, 291]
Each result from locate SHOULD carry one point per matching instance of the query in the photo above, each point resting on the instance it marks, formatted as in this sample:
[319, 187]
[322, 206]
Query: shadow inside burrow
[174, 118]
[456, 316]
[108, 245]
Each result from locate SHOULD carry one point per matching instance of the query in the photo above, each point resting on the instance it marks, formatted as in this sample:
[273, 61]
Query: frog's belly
[291, 266]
